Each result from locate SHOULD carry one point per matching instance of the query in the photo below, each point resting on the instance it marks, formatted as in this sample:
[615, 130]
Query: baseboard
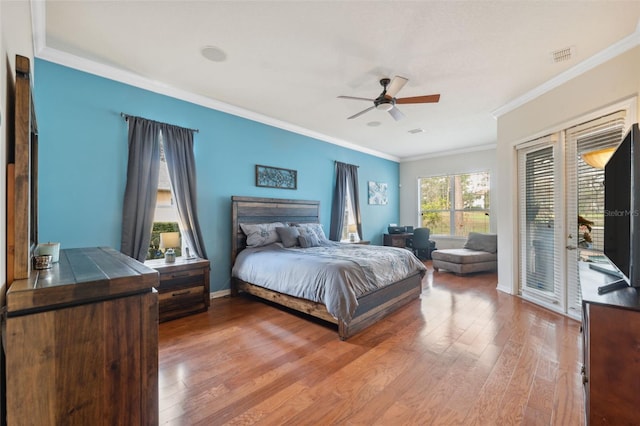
[219, 293]
[505, 289]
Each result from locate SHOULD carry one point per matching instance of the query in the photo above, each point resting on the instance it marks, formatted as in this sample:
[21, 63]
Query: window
[165, 217]
[455, 204]
[349, 228]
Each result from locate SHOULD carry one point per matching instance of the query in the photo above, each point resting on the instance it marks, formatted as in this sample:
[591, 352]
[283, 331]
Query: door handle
[570, 247]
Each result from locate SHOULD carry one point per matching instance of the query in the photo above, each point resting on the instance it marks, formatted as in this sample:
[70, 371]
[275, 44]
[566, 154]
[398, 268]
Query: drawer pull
[180, 293]
[184, 274]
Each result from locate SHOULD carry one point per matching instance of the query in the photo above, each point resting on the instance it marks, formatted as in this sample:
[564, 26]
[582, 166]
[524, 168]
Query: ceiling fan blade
[396, 113]
[396, 84]
[360, 113]
[427, 99]
[355, 98]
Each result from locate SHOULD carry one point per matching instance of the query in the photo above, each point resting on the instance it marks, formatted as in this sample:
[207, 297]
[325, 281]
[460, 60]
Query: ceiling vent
[414, 131]
[562, 55]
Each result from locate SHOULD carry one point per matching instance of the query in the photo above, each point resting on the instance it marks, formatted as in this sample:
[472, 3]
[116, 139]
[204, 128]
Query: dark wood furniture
[611, 345]
[372, 307]
[22, 178]
[183, 288]
[396, 240]
[81, 342]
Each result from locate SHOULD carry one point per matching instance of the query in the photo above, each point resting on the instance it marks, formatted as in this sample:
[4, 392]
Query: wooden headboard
[266, 210]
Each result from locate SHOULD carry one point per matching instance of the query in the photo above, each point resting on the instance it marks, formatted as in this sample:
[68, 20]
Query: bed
[370, 307]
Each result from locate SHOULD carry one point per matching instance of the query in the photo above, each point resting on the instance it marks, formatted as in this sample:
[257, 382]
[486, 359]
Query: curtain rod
[336, 161]
[126, 118]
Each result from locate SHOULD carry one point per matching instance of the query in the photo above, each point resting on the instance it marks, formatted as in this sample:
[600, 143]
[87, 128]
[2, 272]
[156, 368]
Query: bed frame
[371, 307]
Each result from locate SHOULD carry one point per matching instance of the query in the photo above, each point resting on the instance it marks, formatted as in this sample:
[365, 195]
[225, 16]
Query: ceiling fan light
[385, 106]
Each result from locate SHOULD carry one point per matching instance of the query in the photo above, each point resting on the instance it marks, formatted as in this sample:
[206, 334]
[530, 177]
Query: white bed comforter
[335, 274]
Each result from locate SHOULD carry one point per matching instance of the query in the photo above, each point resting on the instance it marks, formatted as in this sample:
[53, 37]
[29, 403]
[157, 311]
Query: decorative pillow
[482, 242]
[261, 234]
[289, 235]
[308, 240]
[315, 228]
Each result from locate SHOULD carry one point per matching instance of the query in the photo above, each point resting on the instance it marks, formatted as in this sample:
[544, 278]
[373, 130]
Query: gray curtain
[142, 187]
[178, 151]
[346, 177]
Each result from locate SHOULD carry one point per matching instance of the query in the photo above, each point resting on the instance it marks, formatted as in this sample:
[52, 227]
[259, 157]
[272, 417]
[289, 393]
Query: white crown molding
[599, 58]
[38, 25]
[41, 51]
[451, 152]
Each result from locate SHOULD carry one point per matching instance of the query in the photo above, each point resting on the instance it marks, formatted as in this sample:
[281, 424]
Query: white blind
[585, 192]
[538, 210]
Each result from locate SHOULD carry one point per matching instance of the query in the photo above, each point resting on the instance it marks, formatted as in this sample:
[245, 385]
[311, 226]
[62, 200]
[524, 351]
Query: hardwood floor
[463, 354]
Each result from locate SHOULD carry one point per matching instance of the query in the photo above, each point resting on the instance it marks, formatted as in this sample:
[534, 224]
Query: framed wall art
[275, 177]
[378, 193]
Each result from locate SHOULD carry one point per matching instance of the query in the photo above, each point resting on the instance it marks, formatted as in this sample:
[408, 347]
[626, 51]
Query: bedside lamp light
[168, 241]
[352, 229]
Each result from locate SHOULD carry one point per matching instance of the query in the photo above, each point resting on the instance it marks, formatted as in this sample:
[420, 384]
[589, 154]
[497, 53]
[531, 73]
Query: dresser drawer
[177, 280]
[182, 299]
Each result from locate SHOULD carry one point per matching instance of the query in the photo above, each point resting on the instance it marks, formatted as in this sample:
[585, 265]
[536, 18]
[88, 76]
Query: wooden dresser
[611, 338]
[81, 342]
[183, 288]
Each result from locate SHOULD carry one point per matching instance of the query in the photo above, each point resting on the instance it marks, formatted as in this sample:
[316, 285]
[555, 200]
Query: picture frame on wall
[276, 177]
[378, 193]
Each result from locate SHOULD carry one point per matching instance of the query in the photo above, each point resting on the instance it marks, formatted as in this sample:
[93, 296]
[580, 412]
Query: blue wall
[83, 162]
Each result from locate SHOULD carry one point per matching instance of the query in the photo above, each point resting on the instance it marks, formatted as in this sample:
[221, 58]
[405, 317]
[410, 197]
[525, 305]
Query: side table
[183, 288]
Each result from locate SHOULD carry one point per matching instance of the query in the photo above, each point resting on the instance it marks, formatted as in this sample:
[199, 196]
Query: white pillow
[261, 234]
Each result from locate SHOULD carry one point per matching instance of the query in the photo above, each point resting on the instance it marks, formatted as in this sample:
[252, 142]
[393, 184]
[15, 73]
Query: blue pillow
[289, 235]
[308, 240]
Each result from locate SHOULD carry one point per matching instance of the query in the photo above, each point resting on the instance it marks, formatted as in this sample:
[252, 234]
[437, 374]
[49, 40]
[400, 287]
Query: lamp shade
[598, 158]
[169, 240]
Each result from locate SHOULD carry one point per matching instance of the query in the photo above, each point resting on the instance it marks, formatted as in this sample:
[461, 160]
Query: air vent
[562, 55]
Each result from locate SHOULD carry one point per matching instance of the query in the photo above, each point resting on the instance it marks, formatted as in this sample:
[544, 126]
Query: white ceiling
[287, 61]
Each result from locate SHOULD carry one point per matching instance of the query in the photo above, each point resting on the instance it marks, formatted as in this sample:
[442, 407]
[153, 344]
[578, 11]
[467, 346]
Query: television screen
[622, 207]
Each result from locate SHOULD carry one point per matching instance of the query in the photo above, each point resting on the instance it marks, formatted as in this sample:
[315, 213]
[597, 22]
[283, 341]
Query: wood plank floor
[463, 354]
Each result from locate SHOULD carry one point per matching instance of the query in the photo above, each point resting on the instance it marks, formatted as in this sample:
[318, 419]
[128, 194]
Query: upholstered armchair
[421, 245]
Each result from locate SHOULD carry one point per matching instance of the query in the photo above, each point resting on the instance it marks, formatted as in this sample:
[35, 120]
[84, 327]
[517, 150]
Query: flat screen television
[622, 207]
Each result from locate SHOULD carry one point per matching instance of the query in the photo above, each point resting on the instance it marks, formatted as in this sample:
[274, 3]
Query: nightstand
[183, 288]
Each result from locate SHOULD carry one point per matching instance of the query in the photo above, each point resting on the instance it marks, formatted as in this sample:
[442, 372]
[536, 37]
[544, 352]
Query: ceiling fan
[387, 101]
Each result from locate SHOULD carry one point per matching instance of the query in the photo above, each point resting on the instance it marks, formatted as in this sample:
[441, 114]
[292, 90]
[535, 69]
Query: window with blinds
[590, 145]
[538, 214]
[588, 148]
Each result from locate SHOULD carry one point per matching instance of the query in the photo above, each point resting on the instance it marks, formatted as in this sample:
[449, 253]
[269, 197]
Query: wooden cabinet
[396, 240]
[611, 344]
[81, 342]
[183, 288]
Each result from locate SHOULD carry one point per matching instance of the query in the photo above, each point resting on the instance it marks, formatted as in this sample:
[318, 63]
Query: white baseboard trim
[219, 293]
[505, 289]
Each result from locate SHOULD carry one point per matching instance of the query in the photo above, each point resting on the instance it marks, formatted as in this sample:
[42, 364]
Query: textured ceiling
[287, 61]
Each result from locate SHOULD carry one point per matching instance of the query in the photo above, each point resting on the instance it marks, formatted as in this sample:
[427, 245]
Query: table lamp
[352, 230]
[168, 241]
